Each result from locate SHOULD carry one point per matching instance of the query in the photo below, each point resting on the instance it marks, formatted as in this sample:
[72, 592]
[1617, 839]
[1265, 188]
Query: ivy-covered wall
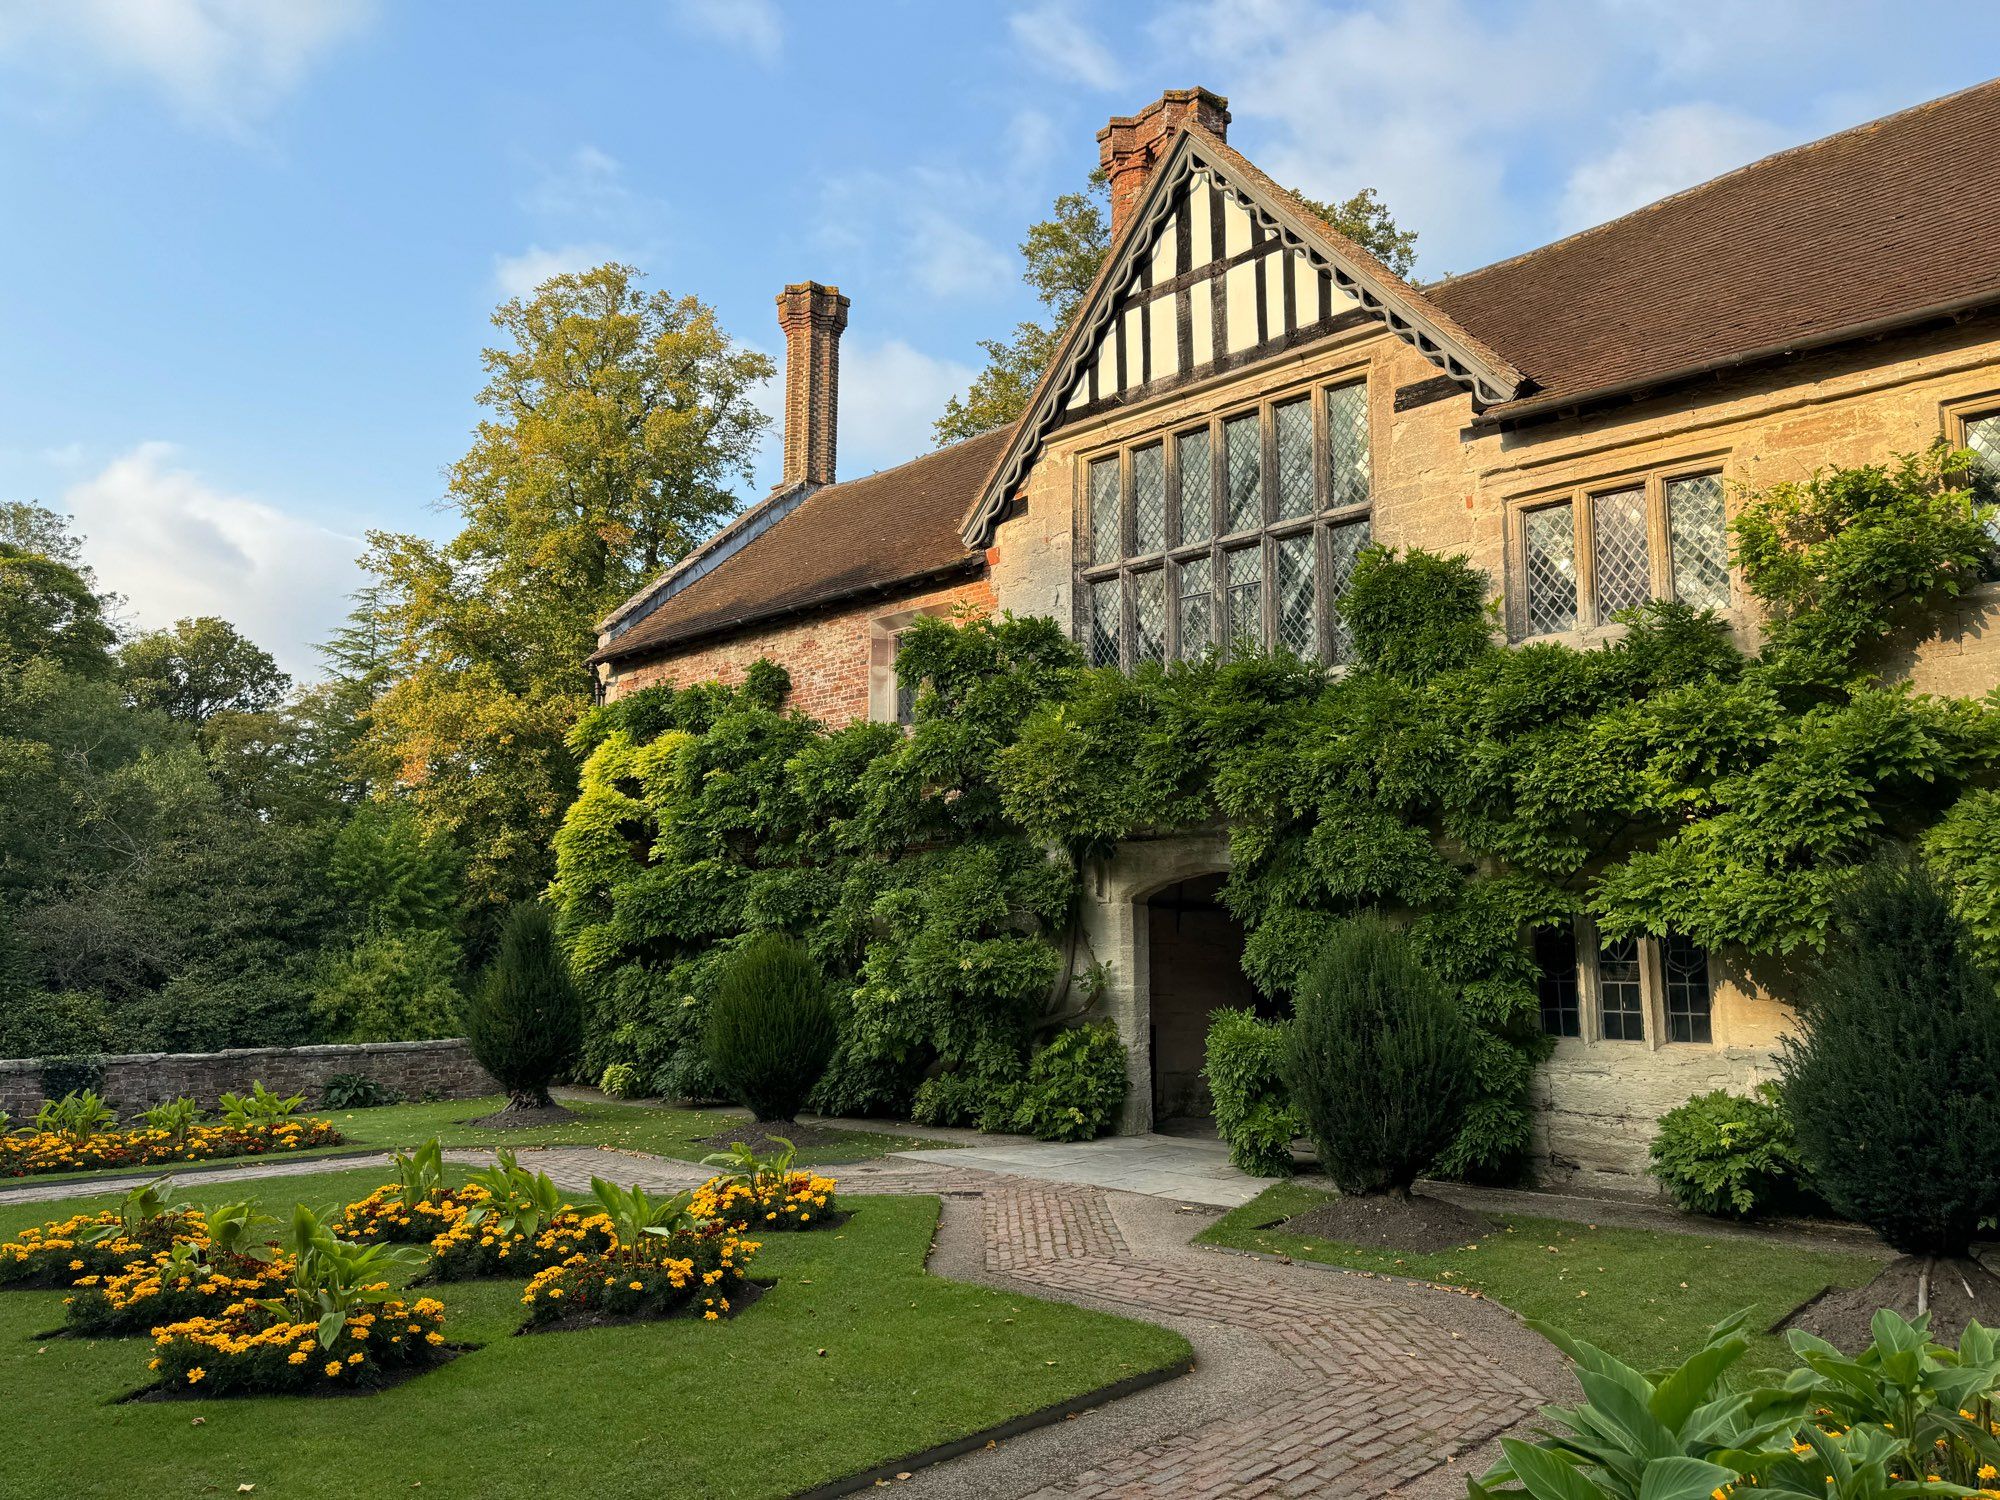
[1667, 781]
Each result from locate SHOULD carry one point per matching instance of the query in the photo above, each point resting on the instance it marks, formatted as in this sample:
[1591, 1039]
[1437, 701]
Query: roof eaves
[745, 528]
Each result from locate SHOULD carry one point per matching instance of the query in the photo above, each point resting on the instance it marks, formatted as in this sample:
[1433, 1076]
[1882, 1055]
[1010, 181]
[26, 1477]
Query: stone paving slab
[1161, 1166]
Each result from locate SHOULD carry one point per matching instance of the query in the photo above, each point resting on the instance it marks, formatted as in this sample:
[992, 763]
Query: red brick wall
[827, 653]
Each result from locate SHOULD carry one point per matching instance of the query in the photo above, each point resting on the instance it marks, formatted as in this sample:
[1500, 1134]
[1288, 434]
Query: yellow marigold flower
[333, 1368]
[433, 1338]
[297, 1357]
[354, 1358]
[638, 1286]
[196, 1374]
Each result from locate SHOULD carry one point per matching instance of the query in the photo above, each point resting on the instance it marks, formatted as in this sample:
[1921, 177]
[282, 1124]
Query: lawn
[626, 1127]
[856, 1357]
[1647, 1297]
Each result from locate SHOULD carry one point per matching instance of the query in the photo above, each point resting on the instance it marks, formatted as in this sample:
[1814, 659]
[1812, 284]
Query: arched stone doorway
[1194, 967]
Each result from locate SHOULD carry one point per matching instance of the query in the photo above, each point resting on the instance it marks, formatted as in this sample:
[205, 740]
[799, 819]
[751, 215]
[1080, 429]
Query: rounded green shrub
[1728, 1155]
[1252, 1110]
[1075, 1085]
[770, 1030]
[1377, 1059]
[619, 1081]
[1889, 1078]
[524, 1019]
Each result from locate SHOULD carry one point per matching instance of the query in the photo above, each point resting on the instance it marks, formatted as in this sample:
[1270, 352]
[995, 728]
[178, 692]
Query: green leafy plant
[771, 1032]
[518, 1202]
[1729, 1155]
[260, 1109]
[71, 1073]
[175, 1116]
[761, 1173]
[619, 1081]
[1378, 1059]
[1252, 1111]
[640, 1223]
[238, 1231]
[332, 1279]
[419, 1172]
[357, 1091]
[524, 1019]
[141, 1208]
[1075, 1085]
[75, 1117]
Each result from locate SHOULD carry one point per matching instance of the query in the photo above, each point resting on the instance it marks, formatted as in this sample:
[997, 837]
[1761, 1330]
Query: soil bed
[747, 1295]
[525, 1119]
[1389, 1221]
[1842, 1315]
[401, 1376]
[763, 1138]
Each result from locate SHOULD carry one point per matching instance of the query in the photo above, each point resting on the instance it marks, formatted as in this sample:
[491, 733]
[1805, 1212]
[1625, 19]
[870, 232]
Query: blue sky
[251, 246]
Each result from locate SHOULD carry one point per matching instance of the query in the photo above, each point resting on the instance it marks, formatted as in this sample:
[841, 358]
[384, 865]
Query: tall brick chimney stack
[1131, 145]
[812, 317]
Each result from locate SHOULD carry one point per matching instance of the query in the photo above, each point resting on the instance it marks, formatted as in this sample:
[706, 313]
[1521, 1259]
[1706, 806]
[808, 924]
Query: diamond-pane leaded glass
[1104, 623]
[1195, 580]
[1149, 499]
[1698, 541]
[1104, 510]
[1294, 423]
[1149, 616]
[1619, 1002]
[1243, 456]
[1551, 546]
[1623, 562]
[1982, 436]
[1684, 965]
[1344, 546]
[1245, 599]
[1347, 466]
[1197, 487]
[1296, 631]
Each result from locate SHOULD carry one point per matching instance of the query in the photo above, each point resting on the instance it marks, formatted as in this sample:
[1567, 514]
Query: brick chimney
[1131, 145]
[812, 317]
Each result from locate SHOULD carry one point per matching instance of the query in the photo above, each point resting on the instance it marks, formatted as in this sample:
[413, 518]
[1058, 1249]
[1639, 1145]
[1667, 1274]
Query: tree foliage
[524, 1019]
[199, 669]
[770, 1032]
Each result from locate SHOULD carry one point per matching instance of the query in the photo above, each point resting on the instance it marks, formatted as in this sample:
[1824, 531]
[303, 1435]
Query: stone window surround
[1652, 997]
[1955, 414]
[1271, 530]
[885, 634]
[1579, 496]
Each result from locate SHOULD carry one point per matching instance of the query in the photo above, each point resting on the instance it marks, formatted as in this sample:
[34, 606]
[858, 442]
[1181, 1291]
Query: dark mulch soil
[1389, 1221]
[401, 1376]
[763, 1139]
[1960, 1291]
[525, 1119]
[745, 1296]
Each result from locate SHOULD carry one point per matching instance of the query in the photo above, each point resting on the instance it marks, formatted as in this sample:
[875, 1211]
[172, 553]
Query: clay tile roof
[892, 527]
[1891, 222]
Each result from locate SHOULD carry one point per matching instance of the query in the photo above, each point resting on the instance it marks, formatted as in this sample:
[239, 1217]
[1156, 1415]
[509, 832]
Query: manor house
[1245, 398]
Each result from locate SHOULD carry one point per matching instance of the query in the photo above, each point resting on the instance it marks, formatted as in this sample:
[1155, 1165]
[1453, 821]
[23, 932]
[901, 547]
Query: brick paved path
[1317, 1384]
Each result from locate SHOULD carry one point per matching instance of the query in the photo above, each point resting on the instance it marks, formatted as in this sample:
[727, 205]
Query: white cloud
[949, 260]
[175, 546]
[588, 184]
[1660, 153]
[890, 393]
[752, 25]
[1063, 47]
[220, 62]
[519, 275]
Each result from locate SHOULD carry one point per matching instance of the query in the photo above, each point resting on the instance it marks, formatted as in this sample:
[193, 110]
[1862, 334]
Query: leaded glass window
[1619, 551]
[1149, 615]
[1243, 457]
[1982, 436]
[1347, 462]
[1293, 422]
[1197, 487]
[1556, 981]
[1149, 499]
[1550, 534]
[1684, 967]
[1345, 544]
[1244, 604]
[1297, 632]
[1621, 1002]
[1196, 583]
[1698, 541]
[1104, 537]
[1104, 623]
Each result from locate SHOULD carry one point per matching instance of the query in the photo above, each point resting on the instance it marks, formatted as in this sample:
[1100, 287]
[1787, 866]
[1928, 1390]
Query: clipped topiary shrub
[770, 1031]
[1728, 1155]
[1890, 1076]
[524, 1019]
[1253, 1112]
[1075, 1085]
[1377, 1058]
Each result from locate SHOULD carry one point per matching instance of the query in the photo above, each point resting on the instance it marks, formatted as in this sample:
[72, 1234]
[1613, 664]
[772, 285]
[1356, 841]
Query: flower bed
[169, 1288]
[467, 1251]
[766, 1204]
[389, 1216]
[248, 1350]
[57, 1253]
[36, 1152]
[692, 1271]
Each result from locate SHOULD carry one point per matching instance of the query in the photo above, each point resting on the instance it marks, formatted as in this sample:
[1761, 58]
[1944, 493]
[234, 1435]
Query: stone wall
[132, 1081]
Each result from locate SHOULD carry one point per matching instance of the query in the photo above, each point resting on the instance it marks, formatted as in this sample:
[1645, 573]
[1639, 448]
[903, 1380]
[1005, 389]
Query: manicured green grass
[1647, 1297]
[626, 1127]
[856, 1357]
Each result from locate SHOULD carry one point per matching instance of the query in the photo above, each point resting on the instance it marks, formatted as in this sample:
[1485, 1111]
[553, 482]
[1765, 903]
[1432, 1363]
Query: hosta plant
[416, 1208]
[75, 1117]
[260, 1109]
[174, 1118]
[763, 1193]
[515, 1222]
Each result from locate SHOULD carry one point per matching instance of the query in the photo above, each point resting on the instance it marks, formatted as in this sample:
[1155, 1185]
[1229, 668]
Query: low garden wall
[132, 1081]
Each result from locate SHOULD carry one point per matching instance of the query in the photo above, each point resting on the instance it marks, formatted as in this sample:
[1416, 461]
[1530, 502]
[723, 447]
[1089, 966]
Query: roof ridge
[1694, 189]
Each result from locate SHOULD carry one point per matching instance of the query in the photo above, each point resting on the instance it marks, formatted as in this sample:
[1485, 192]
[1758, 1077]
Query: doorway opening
[1195, 962]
